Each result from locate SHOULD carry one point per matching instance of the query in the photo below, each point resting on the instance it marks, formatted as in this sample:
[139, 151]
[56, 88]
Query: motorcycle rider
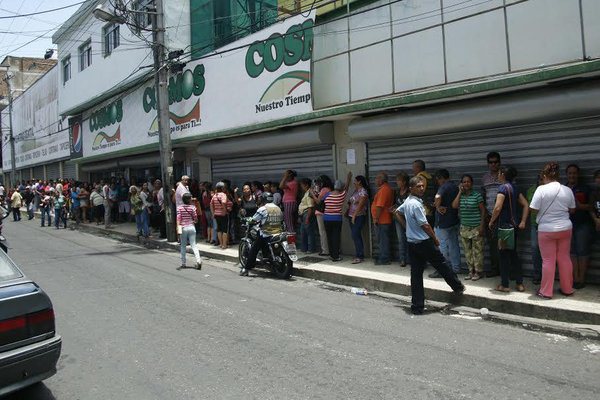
[270, 219]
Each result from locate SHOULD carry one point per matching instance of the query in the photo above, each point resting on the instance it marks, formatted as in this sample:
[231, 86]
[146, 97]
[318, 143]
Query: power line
[41, 12]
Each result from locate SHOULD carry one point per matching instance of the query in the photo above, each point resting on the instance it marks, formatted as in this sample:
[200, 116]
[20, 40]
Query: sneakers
[476, 276]
[435, 274]
[243, 272]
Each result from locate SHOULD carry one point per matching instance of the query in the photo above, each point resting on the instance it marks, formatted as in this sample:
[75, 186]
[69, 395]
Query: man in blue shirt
[423, 246]
[75, 203]
[447, 223]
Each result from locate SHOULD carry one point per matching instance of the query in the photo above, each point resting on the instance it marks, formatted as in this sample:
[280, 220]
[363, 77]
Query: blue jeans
[46, 212]
[356, 229]
[449, 245]
[59, 215]
[307, 234]
[402, 243]
[536, 257]
[188, 234]
[383, 239]
[141, 222]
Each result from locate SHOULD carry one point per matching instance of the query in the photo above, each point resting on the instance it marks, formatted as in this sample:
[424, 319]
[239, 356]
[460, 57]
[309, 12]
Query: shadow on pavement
[39, 391]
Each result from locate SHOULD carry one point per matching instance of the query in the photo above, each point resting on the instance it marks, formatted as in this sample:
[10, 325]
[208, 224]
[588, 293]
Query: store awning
[524, 107]
[280, 139]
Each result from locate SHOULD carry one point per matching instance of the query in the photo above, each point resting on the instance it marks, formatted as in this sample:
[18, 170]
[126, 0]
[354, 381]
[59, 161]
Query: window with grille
[142, 17]
[66, 69]
[111, 38]
[85, 55]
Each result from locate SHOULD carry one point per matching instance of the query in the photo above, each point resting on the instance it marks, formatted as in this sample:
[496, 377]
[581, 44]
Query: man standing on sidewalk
[446, 220]
[16, 202]
[28, 198]
[489, 191]
[422, 246]
[382, 217]
[107, 204]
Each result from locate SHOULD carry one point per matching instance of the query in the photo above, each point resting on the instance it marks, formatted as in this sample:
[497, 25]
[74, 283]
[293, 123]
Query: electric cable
[42, 12]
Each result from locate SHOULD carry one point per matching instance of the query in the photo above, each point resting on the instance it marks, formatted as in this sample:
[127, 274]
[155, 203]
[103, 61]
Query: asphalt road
[134, 327]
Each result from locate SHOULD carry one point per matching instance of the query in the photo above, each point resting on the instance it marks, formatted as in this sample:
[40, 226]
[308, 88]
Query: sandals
[520, 287]
[502, 289]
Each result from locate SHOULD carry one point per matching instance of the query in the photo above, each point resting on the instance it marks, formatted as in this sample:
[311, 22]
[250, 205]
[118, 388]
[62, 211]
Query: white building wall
[393, 47]
[123, 63]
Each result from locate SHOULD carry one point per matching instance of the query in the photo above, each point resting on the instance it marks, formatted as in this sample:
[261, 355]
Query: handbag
[506, 236]
[321, 205]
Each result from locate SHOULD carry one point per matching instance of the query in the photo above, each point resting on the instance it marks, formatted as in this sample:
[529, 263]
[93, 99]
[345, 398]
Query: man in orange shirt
[382, 217]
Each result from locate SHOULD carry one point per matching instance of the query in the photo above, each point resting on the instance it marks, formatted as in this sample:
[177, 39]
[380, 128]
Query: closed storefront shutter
[52, 171]
[38, 172]
[69, 170]
[526, 147]
[270, 167]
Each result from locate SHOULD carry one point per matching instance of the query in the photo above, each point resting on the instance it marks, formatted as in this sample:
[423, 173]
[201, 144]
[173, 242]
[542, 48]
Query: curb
[541, 310]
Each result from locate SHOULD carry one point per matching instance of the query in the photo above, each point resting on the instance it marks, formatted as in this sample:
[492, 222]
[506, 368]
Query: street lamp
[162, 100]
[101, 13]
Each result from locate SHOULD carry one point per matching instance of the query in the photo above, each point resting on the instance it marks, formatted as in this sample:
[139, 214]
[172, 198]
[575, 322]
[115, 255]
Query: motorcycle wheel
[243, 251]
[283, 269]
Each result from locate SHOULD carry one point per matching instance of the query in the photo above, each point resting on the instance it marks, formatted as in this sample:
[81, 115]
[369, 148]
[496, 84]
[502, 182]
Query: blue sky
[16, 32]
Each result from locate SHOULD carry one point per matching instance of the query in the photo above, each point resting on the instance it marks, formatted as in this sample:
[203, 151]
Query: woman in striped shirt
[472, 212]
[186, 218]
[332, 216]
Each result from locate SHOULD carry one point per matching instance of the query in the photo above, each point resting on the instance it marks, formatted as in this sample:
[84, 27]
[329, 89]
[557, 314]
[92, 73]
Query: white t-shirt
[179, 192]
[553, 201]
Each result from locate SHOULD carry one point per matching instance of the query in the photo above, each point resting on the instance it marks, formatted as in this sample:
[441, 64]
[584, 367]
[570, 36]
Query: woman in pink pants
[554, 202]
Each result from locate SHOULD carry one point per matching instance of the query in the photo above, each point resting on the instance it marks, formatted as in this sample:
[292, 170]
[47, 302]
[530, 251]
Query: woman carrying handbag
[503, 219]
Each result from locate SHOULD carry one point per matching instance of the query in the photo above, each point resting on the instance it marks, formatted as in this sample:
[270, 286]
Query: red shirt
[384, 198]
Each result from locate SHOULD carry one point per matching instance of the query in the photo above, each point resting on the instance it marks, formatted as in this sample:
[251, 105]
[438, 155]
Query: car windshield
[8, 270]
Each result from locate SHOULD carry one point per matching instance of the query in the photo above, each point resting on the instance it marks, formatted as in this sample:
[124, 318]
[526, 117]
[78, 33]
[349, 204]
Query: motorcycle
[3, 243]
[278, 254]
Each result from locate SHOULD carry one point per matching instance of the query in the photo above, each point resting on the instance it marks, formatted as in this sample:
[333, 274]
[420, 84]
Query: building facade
[325, 87]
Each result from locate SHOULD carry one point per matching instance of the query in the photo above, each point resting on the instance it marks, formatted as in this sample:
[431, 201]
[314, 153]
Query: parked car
[29, 345]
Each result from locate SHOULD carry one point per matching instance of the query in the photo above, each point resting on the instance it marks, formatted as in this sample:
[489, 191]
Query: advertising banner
[37, 128]
[260, 78]
[75, 137]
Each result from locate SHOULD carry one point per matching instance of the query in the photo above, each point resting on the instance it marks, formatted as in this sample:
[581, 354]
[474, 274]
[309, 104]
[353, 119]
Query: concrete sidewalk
[581, 308]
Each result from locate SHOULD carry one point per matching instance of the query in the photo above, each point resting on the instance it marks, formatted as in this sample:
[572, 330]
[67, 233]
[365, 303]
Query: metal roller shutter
[69, 171]
[38, 172]
[52, 171]
[270, 167]
[526, 148]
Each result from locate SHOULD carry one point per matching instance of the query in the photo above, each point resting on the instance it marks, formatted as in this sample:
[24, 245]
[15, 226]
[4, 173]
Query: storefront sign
[261, 78]
[38, 131]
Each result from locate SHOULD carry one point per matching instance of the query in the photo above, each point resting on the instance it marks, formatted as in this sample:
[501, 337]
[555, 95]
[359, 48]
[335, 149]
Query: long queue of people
[499, 213]
[562, 219]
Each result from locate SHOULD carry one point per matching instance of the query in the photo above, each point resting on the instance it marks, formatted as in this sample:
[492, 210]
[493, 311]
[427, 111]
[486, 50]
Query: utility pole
[161, 76]
[10, 132]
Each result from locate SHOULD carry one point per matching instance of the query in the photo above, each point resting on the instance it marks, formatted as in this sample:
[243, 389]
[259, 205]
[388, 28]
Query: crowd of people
[562, 219]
